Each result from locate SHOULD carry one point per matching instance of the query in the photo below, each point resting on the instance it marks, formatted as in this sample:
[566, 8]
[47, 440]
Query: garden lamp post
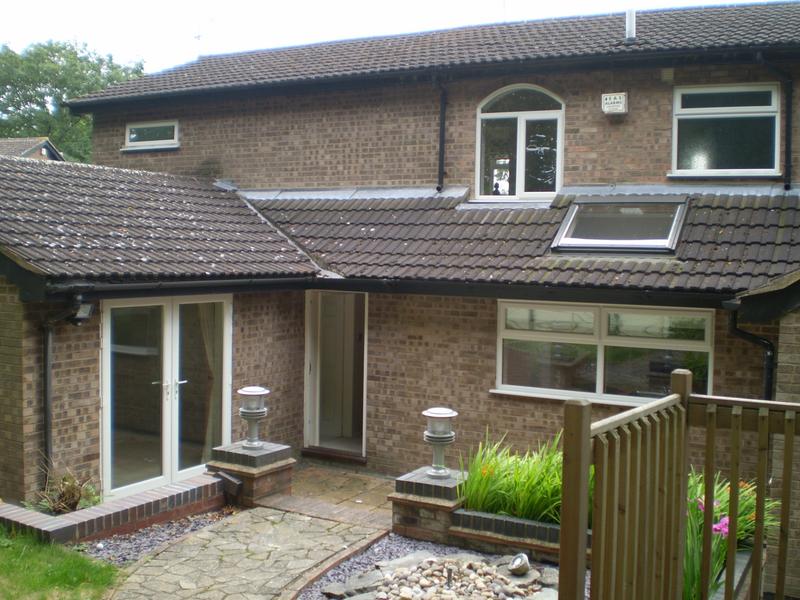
[253, 410]
[439, 434]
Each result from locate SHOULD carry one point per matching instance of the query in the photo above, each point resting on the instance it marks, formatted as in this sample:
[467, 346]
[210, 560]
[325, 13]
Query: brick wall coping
[195, 495]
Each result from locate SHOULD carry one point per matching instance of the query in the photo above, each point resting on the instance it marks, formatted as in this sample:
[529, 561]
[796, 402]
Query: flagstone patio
[273, 550]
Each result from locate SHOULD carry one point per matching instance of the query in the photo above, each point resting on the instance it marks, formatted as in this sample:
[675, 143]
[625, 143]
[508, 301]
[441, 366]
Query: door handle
[182, 381]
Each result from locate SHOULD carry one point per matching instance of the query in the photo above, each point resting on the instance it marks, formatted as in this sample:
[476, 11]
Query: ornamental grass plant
[503, 482]
[695, 514]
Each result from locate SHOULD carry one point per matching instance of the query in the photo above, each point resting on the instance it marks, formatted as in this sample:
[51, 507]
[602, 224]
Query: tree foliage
[35, 83]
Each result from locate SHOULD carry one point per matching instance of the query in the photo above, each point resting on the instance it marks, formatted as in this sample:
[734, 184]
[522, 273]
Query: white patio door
[166, 389]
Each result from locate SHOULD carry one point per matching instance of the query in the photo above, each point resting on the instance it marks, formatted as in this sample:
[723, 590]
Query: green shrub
[503, 482]
[745, 527]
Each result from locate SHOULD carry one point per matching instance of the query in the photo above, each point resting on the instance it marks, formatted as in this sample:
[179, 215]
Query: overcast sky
[166, 33]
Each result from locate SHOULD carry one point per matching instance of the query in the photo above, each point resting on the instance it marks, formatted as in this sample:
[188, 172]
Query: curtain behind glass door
[199, 382]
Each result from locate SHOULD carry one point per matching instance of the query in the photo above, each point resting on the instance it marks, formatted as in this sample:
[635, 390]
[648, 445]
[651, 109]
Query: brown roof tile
[431, 239]
[69, 220]
[757, 26]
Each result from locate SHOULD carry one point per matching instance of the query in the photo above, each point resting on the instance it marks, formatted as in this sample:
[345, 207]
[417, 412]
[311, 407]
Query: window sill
[135, 149]
[480, 204]
[564, 397]
[724, 175]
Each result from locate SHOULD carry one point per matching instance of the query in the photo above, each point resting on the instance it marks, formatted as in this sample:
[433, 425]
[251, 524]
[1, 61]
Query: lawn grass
[34, 570]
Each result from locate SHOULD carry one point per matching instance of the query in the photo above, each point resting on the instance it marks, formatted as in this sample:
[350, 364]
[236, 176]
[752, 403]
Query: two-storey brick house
[490, 218]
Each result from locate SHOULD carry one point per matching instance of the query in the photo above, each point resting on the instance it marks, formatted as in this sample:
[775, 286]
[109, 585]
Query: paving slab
[337, 494]
[261, 553]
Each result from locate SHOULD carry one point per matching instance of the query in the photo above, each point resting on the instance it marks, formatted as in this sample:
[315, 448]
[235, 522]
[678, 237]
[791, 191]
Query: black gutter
[768, 346]
[655, 59]
[511, 291]
[788, 98]
[442, 117]
[97, 286]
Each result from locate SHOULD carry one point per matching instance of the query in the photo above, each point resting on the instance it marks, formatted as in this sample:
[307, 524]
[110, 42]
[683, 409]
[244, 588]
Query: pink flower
[721, 527]
[700, 504]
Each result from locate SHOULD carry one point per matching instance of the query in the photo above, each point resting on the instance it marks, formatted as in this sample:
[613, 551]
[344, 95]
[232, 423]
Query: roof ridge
[91, 166]
[685, 30]
[520, 22]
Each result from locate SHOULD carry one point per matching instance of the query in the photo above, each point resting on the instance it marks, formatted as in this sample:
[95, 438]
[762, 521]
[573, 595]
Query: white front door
[166, 388]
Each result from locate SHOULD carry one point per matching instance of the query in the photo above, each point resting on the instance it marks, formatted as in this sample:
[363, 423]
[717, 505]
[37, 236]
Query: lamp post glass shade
[253, 410]
[439, 434]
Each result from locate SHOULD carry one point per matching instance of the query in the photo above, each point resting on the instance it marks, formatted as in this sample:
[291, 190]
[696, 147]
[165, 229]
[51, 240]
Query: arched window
[520, 144]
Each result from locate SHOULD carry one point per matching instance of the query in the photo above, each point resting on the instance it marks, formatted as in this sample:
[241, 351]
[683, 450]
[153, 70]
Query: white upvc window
[151, 135]
[520, 145]
[605, 353]
[726, 131]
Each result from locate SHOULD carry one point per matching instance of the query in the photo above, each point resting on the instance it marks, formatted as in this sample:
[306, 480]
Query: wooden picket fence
[640, 459]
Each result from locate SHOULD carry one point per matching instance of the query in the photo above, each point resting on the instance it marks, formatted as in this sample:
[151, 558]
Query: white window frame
[564, 242]
[522, 119]
[678, 114]
[600, 339]
[152, 144]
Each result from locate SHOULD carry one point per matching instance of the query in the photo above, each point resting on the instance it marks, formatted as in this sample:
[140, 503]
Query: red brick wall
[423, 351]
[788, 390]
[11, 434]
[389, 135]
[269, 350]
[441, 351]
[76, 397]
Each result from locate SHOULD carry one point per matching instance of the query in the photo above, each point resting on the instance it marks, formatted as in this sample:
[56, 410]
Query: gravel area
[388, 548]
[130, 547]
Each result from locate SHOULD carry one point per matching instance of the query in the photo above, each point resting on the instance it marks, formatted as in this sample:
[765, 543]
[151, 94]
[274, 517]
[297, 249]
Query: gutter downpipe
[442, 116]
[769, 348]
[788, 99]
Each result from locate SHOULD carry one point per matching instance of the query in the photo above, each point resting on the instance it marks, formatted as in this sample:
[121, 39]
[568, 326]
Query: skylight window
[632, 224]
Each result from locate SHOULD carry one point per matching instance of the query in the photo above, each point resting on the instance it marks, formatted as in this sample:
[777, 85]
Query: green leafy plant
[64, 494]
[695, 514]
[503, 482]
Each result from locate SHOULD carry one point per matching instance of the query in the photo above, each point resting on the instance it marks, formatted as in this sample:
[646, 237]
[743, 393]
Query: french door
[166, 389]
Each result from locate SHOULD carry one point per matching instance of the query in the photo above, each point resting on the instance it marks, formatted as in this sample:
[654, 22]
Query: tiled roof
[756, 26]
[729, 242]
[69, 220]
[23, 146]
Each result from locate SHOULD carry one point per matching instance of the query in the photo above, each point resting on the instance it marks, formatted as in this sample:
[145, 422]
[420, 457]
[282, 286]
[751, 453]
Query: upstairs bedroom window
[520, 145]
[726, 131]
[153, 135]
[609, 353]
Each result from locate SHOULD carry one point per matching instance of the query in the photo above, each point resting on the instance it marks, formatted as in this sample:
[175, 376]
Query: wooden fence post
[574, 499]
[681, 384]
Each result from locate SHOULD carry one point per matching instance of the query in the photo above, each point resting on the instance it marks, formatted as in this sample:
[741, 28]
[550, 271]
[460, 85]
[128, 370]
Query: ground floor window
[600, 352]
